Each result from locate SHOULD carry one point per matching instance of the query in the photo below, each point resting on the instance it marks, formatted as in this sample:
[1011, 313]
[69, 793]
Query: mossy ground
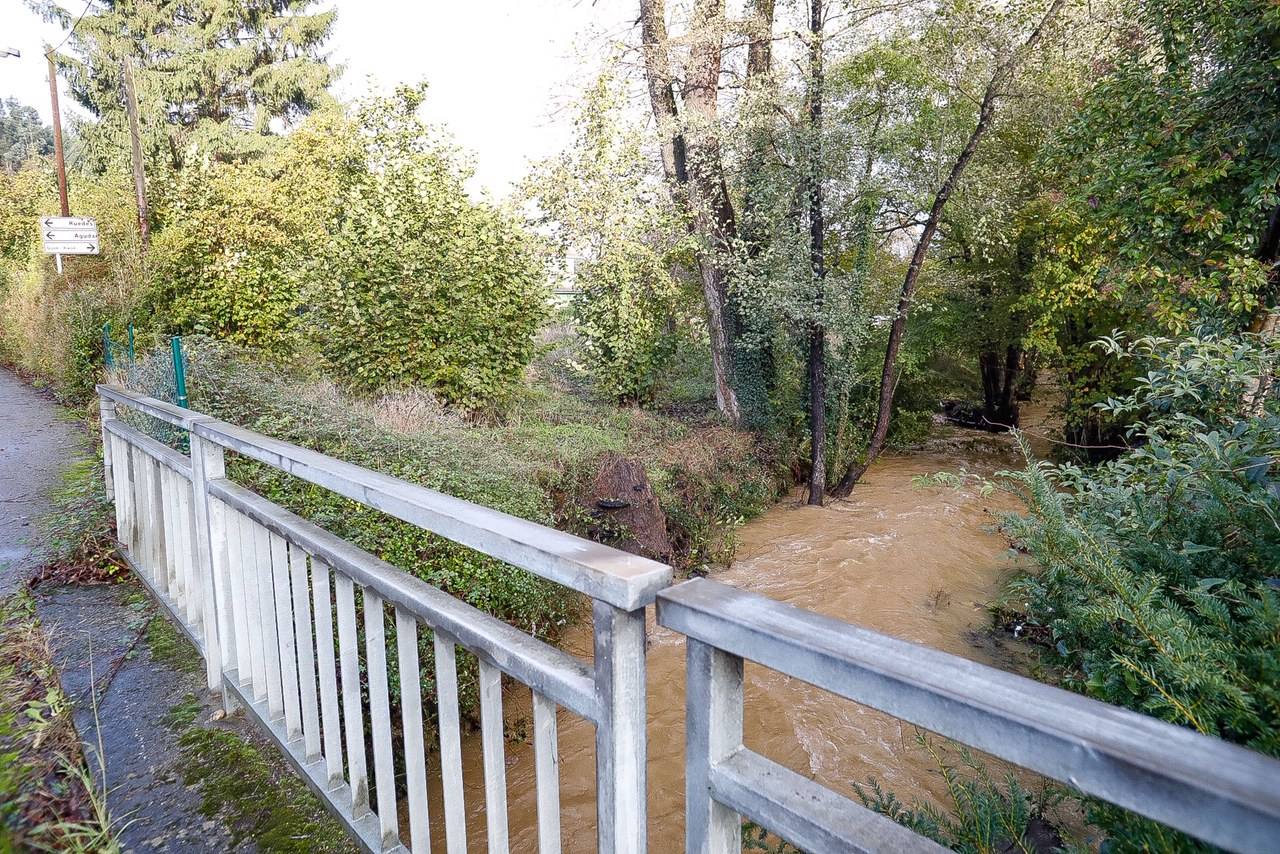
[245, 785]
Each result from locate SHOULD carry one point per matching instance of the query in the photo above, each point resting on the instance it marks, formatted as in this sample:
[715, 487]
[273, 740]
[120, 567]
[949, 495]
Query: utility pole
[57, 134]
[139, 176]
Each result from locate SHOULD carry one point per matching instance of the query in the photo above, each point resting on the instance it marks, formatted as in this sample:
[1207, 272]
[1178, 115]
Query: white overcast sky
[500, 70]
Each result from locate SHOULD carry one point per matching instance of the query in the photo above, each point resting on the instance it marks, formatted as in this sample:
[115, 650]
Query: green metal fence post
[106, 344]
[132, 356]
[179, 371]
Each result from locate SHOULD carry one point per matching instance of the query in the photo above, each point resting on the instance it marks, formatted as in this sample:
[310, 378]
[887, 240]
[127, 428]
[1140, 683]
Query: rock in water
[628, 516]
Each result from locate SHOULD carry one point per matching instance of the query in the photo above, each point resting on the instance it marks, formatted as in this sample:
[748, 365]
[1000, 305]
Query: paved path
[37, 440]
[127, 678]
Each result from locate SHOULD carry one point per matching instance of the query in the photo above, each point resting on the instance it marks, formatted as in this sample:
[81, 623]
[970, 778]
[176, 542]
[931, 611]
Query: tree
[601, 204]
[1165, 214]
[1003, 75]
[22, 135]
[817, 356]
[691, 161]
[217, 75]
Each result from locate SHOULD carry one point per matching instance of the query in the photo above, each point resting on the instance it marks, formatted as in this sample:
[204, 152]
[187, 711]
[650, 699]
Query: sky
[500, 71]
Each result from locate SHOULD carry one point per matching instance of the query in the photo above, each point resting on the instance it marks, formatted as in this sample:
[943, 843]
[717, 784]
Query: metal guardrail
[271, 600]
[1221, 793]
[259, 590]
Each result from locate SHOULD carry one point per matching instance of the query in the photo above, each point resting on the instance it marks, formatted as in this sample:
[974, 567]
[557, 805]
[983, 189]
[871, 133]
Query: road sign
[69, 235]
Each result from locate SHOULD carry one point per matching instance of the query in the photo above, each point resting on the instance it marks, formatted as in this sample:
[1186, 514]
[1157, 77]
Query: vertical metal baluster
[138, 508]
[160, 561]
[224, 533]
[352, 711]
[253, 607]
[287, 649]
[239, 551]
[122, 472]
[415, 753]
[495, 767]
[331, 722]
[375, 652]
[186, 537]
[306, 653]
[169, 583]
[547, 762]
[270, 638]
[455, 816]
[142, 555]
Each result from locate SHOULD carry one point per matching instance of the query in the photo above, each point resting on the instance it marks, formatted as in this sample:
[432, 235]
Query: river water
[916, 563]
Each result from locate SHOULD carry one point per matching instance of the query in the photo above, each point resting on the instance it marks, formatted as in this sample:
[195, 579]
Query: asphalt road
[37, 440]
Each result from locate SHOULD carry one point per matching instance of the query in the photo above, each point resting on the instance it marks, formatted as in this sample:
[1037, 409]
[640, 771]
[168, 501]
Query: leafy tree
[599, 202]
[211, 74]
[415, 284]
[22, 134]
[1166, 213]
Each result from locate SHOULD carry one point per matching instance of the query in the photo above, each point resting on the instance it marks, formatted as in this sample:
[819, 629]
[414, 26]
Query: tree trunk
[662, 98]
[817, 227]
[135, 151]
[1266, 320]
[1003, 74]
[1000, 374]
[755, 378]
[691, 160]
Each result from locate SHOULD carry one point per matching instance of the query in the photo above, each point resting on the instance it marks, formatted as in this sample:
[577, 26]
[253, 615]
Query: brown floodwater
[918, 563]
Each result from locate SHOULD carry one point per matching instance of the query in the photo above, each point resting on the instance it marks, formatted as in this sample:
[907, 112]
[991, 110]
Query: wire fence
[157, 373]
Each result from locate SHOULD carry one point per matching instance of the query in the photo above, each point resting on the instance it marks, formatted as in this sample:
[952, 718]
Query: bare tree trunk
[135, 142]
[755, 365]
[1266, 320]
[817, 227]
[1002, 76]
[662, 98]
[697, 145]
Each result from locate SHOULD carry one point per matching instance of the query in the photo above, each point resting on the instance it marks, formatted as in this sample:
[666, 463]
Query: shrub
[1158, 568]
[51, 324]
[416, 284]
[599, 201]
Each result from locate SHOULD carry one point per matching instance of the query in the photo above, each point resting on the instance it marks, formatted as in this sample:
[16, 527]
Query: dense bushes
[416, 284]
[1158, 581]
[354, 238]
[599, 202]
[51, 325]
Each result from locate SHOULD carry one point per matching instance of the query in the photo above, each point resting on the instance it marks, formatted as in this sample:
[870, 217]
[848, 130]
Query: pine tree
[22, 134]
[217, 75]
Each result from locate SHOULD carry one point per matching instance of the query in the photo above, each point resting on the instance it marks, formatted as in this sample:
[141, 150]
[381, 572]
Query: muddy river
[916, 563]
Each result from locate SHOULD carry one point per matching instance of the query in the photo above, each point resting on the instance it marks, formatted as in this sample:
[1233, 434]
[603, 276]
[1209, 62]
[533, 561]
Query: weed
[48, 799]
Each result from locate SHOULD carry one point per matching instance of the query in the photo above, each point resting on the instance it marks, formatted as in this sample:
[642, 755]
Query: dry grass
[48, 799]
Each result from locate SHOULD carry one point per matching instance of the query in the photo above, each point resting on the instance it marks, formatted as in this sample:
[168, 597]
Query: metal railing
[270, 600]
[1221, 793]
[259, 590]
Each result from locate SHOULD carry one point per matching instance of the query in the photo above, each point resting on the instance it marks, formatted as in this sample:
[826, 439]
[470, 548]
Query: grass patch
[260, 801]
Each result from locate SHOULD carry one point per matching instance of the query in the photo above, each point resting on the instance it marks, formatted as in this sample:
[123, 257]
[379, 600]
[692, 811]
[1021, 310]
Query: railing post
[713, 730]
[621, 750]
[107, 412]
[208, 463]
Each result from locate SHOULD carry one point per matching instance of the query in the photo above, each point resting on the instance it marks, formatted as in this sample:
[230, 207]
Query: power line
[71, 31]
